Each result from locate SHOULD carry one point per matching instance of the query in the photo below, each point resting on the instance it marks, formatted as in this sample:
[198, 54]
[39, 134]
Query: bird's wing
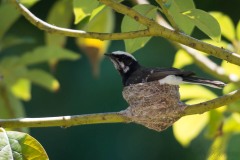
[160, 73]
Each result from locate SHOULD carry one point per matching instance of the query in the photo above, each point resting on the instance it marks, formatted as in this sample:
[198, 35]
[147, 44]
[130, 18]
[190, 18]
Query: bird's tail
[203, 81]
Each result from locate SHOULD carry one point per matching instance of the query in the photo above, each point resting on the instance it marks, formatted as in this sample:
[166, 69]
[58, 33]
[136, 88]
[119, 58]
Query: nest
[153, 105]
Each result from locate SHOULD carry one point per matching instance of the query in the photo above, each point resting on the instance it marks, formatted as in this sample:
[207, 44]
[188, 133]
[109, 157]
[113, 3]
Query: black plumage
[132, 73]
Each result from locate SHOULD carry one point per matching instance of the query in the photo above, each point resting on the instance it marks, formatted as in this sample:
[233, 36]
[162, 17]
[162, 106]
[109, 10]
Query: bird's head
[124, 62]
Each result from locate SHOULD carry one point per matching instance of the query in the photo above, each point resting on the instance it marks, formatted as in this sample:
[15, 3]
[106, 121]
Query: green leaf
[42, 78]
[217, 150]
[205, 22]
[226, 24]
[128, 24]
[59, 15]
[102, 20]
[176, 8]
[233, 147]
[10, 106]
[9, 41]
[238, 30]
[17, 145]
[46, 53]
[216, 119]
[22, 89]
[10, 16]
[186, 92]
[189, 127]
[234, 106]
[83, 8]
[178, 59]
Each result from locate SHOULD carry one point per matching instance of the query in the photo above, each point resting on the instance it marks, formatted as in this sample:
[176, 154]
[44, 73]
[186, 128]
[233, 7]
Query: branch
[182, 38]
[65, 121]
[212, 104]
[77, 33]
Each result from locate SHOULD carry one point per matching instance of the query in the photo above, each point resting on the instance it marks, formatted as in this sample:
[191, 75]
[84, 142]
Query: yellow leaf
[189, 127]
[217, 150]
[178, 60]
[226, 24]
[195, 92]
[22, 89]
[232, 70]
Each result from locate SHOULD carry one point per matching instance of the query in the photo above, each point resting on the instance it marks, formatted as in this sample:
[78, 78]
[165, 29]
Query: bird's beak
[108, 55]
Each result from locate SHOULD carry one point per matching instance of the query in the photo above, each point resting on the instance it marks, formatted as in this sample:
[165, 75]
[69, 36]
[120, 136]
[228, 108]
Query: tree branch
[65, 121]
[179, 37]
[212, 104]
[77, 33]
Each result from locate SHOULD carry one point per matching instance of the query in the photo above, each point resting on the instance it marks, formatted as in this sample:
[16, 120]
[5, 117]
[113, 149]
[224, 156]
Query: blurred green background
[81, 93]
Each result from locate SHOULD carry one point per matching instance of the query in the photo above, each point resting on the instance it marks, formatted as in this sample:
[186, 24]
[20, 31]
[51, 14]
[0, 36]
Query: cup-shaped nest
[153, 105]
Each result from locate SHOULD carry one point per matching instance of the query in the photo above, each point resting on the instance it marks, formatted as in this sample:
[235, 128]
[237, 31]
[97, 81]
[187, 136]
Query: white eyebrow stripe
[123, 53]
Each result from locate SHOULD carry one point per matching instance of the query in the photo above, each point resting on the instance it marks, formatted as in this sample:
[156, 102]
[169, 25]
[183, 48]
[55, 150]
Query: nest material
[153, 105]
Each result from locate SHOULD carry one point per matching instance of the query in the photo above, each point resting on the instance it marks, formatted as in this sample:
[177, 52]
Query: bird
[133, 73]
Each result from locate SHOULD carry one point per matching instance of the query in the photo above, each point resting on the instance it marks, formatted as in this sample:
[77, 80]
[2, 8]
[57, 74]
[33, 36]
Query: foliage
[20, 71]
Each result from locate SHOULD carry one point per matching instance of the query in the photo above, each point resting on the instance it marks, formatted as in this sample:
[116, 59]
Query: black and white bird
[132, 73]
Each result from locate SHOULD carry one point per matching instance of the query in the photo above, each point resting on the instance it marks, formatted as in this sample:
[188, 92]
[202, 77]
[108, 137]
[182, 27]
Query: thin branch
[212, 104]
[65, 121]
[179, 37]
[77, 33]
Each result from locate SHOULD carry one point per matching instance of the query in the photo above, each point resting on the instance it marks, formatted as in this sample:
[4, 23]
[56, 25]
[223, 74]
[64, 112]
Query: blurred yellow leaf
[22, 89]
[217, 150]
[195, 92]
[238, 30]
[232, 70]
[189, 127]
[226, 24]
[182, 59]
[216, 119]
[232, 124]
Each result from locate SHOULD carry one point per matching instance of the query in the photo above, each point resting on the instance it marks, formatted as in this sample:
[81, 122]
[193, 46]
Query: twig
[65, 121]
[212, 104]
[77, 33]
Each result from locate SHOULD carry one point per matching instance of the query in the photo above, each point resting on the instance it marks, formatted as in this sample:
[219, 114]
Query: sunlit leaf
[205, 22]
[232, 124]
[44, 54]
[234, 106]
[217, 150]
[102, 20]
[200, 92]
[238, 30]
[178, 60]
[59, 15]
[176, 8]
[42, 78]
[83, 8]
[226, 24]
[22, 89]
[189, 127]
[17, 145]
[128, 24]
[232, 70]
[29, 3]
